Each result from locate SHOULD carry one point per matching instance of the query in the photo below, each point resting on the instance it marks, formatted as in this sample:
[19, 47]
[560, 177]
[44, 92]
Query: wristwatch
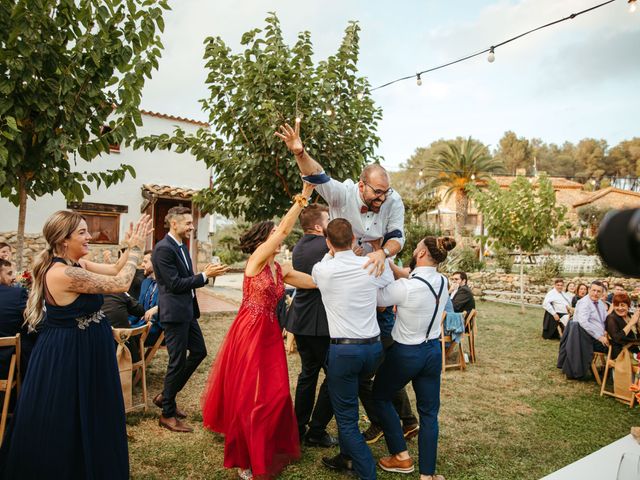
[386, 251]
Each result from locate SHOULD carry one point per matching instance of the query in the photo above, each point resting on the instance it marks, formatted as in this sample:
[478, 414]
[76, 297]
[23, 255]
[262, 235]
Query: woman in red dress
[247, 396]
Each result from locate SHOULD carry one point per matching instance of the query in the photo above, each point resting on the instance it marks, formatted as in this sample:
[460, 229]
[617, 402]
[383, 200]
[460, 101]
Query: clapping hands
[215, 270]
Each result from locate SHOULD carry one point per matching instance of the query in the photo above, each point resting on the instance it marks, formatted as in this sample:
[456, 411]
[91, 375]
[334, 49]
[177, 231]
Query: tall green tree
[456, 167]
[591, 160]
[70, 68]
[254, 91]
[515, 152]
[522, 218]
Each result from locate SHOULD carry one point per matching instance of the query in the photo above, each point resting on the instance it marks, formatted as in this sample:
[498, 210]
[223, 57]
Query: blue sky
[574, 80]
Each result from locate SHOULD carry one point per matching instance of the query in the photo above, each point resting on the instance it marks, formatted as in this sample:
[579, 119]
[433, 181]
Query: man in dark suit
[13, 301]
[179, 312]
[307, 320]
[461, 295]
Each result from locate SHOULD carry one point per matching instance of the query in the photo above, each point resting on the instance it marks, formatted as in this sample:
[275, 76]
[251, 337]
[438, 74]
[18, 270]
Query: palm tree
[458, 165]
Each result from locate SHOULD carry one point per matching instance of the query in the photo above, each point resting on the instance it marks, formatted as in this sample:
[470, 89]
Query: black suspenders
[435, 310]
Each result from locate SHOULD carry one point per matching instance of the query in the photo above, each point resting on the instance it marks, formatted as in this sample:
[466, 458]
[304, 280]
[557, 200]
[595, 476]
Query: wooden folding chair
[470, 330]
[150, 352]
[629, 398]
[122, 335]
[13, 378]
[444, 339]
[598, 362]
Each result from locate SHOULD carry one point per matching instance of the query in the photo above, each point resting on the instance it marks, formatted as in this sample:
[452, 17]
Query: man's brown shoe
[157, 401]
[174, 424]
[392, 464]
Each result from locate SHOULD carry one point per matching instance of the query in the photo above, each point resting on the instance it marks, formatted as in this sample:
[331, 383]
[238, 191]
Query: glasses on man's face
[378, 192]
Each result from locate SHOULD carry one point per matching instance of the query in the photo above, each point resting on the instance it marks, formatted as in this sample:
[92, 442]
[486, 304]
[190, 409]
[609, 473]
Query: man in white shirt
[349, 296]
[416, 356]
[556, 304]
[591, 315]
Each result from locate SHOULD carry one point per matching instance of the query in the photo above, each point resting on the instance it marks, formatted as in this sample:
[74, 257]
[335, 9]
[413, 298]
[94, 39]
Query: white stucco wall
[159, 167]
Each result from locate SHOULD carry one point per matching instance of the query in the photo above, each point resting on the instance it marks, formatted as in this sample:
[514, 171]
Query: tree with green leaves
[254, 91]
[71, 84]
[522, 218]
[456, 167]
[515, 153]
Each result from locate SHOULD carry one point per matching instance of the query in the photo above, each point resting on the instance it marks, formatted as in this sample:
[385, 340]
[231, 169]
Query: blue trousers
[346, 366]
[421, 365]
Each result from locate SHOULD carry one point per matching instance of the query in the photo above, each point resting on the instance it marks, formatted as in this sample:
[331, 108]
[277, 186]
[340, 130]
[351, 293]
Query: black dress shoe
[338, 463]
[325, 441]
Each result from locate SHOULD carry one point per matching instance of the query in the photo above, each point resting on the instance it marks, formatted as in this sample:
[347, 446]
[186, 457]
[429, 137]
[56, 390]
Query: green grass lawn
[511, 416]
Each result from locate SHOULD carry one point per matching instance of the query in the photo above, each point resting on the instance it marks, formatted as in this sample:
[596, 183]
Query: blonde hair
[57, 228]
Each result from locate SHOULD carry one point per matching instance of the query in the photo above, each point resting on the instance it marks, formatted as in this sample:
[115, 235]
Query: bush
[229, 257]
[503, 260]
[466, 260]
[414, 232]
[545, 273]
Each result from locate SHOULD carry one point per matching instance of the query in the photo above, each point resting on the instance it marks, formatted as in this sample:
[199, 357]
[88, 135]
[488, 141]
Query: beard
[412, 263]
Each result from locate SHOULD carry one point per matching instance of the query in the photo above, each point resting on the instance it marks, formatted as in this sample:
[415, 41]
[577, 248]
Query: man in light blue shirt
[591, 315]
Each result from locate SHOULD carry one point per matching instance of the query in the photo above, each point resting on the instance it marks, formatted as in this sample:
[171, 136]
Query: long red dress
[247, 397]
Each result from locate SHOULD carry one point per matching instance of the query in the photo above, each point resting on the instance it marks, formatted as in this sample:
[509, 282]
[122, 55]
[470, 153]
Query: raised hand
[215, 270]
[137, 234]
[291, 137]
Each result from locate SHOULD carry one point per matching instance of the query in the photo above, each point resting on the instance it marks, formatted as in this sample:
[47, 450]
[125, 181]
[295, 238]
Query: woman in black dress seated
[69, 421]
[621, 327]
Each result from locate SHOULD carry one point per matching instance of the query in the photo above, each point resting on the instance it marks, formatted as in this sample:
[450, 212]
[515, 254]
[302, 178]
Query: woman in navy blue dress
[69, 421]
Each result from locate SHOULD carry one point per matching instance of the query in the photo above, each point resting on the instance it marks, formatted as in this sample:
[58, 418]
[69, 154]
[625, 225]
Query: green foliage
[503, 260]
[414, 232]
[466, 260]
[515, 153]
[456, 167]
[523, 217]
[546, 272]
[68, 69]
[254, 91]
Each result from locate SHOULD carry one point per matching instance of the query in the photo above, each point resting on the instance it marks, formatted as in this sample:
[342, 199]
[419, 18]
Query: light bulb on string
[418, 80]
[420, 173]
[633, 6]
[492, 56]
[473, 176]
[360, 95]
[328, 112]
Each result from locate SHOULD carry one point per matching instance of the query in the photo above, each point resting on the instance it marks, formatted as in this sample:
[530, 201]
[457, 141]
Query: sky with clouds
[578, 79]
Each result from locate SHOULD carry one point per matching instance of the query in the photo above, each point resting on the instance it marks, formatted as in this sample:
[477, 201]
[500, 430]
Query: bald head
[375, 173]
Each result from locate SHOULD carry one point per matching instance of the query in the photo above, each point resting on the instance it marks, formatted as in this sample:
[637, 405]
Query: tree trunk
[521, 282]
[462, 203]
[22, 215]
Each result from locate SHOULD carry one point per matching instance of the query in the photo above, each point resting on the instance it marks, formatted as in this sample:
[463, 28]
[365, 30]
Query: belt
[355, 341]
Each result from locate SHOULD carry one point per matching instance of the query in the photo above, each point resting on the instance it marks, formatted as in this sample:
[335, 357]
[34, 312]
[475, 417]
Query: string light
[328, 112]
[490, 50]
[360, 95]
[632, 6]
[420, 173]
[473, 176]
[492, 56]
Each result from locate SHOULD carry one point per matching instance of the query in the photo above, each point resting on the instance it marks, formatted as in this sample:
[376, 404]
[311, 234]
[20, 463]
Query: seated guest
[621, 327]
[149, 300]
[556, 304]
[12, 304]
[618, 288]
[581, 291]
[5, 251]
[584, 334]
[117, 307]
[461, 294]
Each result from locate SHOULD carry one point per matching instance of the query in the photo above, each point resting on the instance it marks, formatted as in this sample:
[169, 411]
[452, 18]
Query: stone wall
[506, 287]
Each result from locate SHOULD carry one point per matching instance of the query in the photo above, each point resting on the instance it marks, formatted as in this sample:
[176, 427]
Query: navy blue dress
[69, 421]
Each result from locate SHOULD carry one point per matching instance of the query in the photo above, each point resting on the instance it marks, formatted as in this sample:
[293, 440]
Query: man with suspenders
[416, 357]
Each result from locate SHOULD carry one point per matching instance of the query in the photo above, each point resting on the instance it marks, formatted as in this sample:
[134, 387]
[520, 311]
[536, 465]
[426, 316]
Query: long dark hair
[256, 235]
